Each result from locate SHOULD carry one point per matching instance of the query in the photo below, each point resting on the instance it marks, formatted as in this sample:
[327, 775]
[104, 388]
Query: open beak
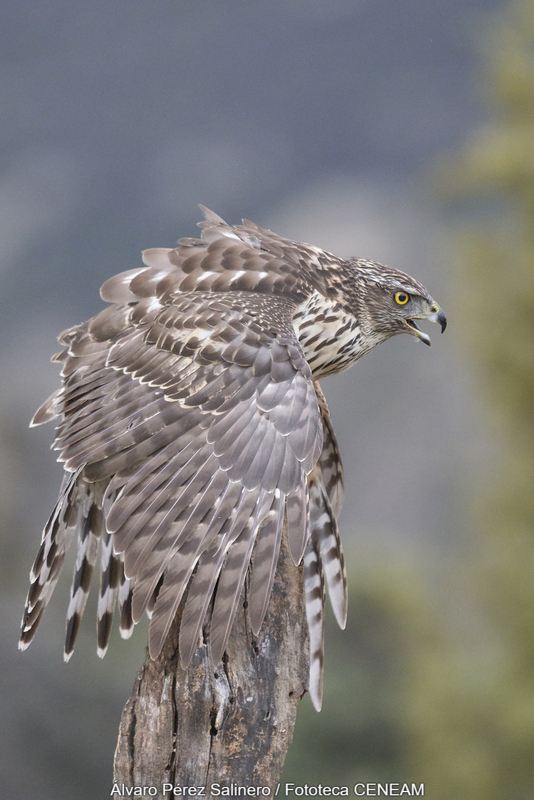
[438, 316]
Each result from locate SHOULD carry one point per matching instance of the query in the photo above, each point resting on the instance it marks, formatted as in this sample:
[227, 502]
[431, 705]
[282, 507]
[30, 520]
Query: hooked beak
[437, 316]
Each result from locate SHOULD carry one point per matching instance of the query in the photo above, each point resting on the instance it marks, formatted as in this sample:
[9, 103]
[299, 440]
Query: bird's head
[388, 302]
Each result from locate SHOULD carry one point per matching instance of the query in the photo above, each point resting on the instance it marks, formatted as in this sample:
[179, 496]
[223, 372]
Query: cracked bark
[230, 723]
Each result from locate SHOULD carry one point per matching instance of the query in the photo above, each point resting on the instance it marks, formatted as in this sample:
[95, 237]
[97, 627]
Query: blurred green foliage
[359, 734]
[446, 695]
[494, 176]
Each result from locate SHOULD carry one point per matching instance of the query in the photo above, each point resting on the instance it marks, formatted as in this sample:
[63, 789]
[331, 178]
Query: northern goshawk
[191, 423]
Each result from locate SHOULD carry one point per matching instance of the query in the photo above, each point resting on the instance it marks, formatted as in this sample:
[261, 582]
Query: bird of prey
[192, 424]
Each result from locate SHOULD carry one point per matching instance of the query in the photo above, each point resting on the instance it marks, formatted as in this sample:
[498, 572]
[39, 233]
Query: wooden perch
[230, 724]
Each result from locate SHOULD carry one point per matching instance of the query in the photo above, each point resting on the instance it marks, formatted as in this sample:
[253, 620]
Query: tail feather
[329, 542]
[323, 557]
[315, 597]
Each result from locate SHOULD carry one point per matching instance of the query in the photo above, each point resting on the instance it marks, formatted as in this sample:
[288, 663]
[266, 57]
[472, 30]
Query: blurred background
[403, 132]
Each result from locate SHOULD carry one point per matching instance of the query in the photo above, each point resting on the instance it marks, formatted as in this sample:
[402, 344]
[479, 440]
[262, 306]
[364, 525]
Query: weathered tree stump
[229, 724]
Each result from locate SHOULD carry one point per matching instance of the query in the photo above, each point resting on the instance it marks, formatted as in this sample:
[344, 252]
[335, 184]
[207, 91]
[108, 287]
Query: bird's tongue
[423, 336]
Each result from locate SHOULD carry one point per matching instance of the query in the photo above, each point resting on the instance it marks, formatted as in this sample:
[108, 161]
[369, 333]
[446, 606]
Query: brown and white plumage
[191, 424]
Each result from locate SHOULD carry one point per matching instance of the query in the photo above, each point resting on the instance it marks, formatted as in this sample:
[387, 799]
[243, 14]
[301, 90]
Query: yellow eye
[402, 298]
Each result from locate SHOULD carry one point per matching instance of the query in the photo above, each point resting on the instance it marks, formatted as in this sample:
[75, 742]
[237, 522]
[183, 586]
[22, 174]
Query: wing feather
[110, 578]
[298, 520]
[265, 561]
[125, 605]
[55, 542]
[89, 535]
[232, 577]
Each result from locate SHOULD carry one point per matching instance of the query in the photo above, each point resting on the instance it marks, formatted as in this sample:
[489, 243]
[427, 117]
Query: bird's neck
[330, 335]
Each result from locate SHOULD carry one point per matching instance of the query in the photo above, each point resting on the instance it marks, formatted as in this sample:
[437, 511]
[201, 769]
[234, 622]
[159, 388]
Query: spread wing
[190, 427]
[195, 416]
